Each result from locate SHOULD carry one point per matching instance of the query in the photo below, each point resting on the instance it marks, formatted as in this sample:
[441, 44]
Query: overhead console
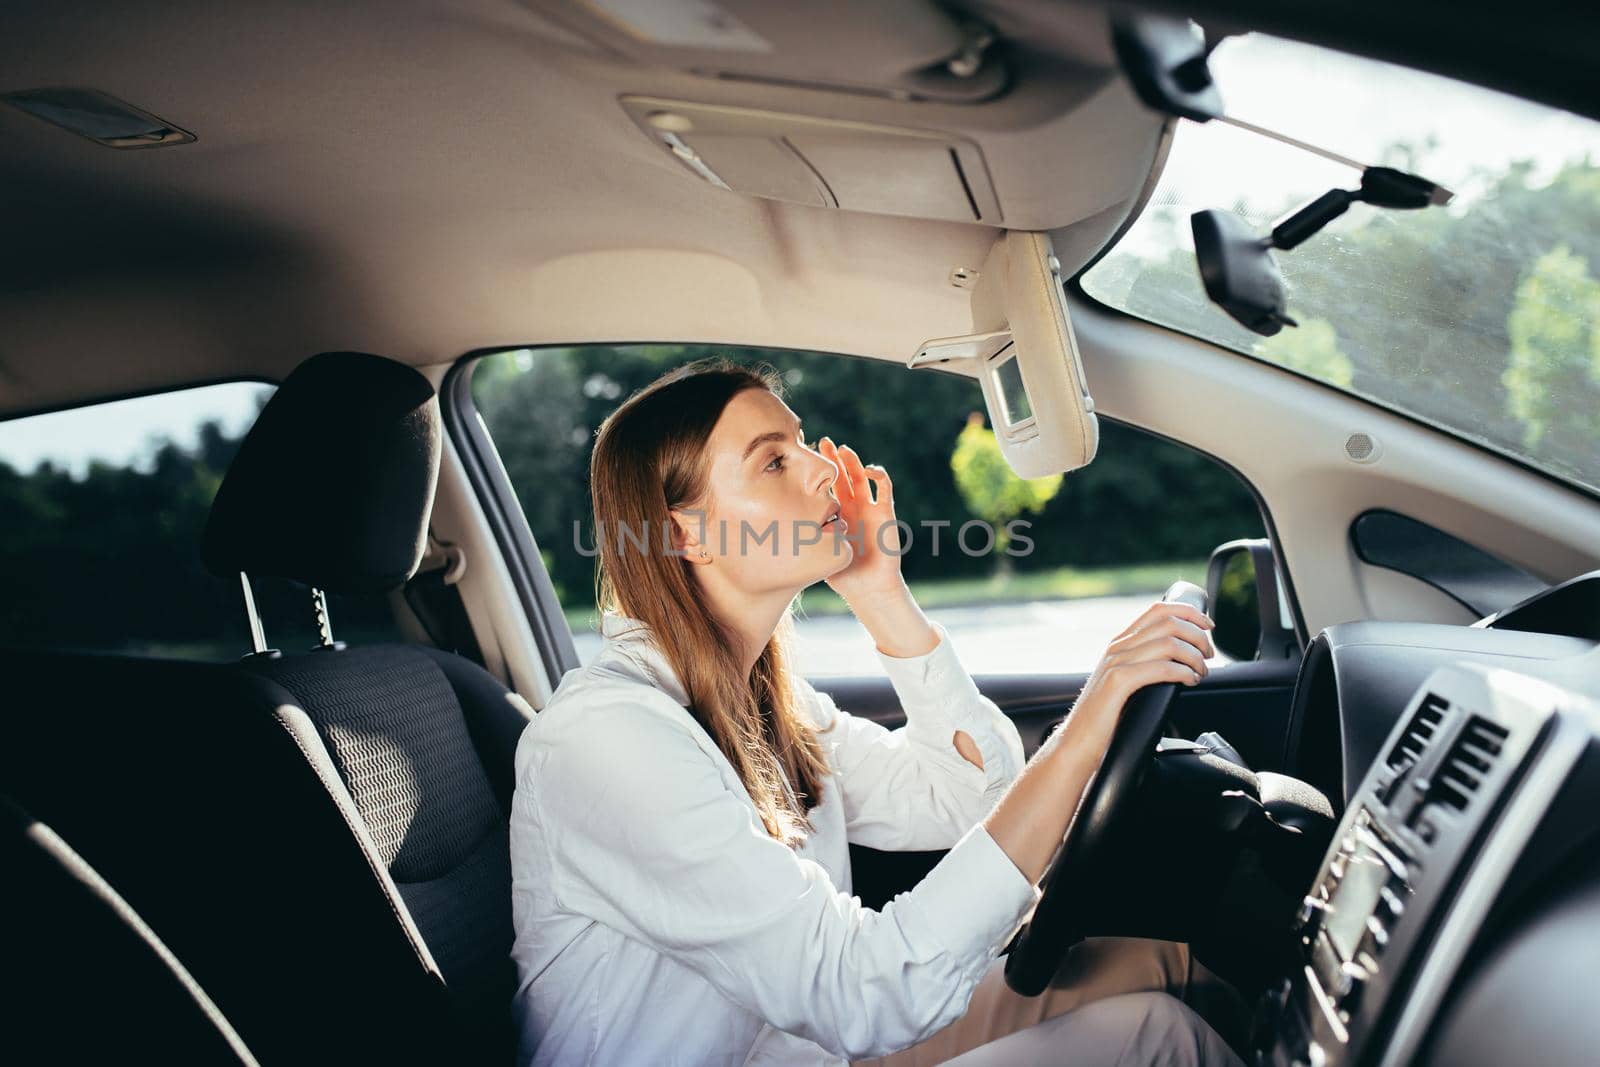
[901, 49]
[1472, 800]
[960, 112]
[907, 51]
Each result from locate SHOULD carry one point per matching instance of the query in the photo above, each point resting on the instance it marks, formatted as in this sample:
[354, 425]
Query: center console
[1474, 772]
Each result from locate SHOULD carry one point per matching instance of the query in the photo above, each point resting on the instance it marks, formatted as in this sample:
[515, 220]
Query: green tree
[990, 487]
[1553, 379]
[1310, 348]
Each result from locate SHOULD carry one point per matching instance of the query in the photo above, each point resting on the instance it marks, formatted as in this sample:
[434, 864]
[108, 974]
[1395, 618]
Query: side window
[1029, 576]
[101, 512]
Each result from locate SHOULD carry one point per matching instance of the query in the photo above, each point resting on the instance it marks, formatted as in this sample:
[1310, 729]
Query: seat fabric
[397, 728]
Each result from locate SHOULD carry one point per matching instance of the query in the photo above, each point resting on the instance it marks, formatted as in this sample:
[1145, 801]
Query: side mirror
[1251, 615]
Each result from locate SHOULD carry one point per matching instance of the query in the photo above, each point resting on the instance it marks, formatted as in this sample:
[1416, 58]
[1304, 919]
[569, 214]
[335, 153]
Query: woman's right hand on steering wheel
[1170, 642]
[1098, 758]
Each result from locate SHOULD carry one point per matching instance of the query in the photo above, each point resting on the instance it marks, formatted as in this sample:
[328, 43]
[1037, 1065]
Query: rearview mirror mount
[1164, 57]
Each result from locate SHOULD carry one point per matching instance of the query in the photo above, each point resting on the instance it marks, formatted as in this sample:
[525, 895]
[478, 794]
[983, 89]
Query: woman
[681, 874]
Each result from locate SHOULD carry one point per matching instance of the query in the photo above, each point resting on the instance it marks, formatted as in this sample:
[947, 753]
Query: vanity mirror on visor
[1023, 353]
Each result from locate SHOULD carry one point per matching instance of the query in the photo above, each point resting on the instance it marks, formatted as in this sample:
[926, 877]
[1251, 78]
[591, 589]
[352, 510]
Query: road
[1033, 637]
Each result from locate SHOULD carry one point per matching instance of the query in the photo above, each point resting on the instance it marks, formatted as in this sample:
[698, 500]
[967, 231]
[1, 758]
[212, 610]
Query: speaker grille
[1360, 447]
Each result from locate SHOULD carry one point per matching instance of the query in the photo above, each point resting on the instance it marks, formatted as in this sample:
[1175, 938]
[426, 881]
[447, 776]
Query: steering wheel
[1037, 950]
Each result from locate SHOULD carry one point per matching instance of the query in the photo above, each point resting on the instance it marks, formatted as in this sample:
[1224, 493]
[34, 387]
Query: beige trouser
[1094, 970]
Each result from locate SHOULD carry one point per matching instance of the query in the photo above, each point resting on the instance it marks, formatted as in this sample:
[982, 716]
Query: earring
[705, 555]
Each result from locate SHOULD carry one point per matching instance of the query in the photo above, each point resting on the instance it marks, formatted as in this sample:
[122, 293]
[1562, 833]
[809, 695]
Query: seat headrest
[334, 483]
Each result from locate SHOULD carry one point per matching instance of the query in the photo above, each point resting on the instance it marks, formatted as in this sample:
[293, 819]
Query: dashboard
[1442, 925]
[1357, 679]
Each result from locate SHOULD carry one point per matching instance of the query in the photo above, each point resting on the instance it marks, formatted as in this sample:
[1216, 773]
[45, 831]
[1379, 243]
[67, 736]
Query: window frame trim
[508, 523]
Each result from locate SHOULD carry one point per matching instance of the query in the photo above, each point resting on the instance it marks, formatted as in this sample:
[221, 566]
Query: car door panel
[1248, 703]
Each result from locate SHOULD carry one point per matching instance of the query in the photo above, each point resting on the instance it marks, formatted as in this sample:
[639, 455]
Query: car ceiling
[420, 179]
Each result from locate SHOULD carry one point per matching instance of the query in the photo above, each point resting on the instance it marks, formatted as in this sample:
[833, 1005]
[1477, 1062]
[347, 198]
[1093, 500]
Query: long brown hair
[649, 457]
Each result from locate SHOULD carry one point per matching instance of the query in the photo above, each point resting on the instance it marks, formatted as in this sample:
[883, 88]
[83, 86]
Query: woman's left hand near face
[870, 524]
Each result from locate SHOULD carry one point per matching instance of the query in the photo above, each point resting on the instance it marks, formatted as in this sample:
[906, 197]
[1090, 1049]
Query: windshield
[1481, 317]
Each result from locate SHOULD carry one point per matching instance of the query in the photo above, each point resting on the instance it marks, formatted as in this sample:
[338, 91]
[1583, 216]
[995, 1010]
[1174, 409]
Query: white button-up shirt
[657, 921]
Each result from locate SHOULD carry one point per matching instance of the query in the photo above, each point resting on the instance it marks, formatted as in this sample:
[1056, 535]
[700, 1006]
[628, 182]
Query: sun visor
[853, 166]
[1023, 352]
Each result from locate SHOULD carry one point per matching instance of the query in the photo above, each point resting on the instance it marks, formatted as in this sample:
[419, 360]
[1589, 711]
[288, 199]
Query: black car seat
[321, 836]
[332, 488]
[82, 978]
[205, 795]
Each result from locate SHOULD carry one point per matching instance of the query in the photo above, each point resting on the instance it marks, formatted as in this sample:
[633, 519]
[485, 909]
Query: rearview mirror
[1238, 269]
[1247, 604]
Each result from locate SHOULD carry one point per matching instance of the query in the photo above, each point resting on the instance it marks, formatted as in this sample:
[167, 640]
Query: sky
[1357, 106]
[1352, 106]
[127, 430]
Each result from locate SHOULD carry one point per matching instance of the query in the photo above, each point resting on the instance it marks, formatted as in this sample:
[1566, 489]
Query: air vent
[1467, 763]
[1418, 732]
